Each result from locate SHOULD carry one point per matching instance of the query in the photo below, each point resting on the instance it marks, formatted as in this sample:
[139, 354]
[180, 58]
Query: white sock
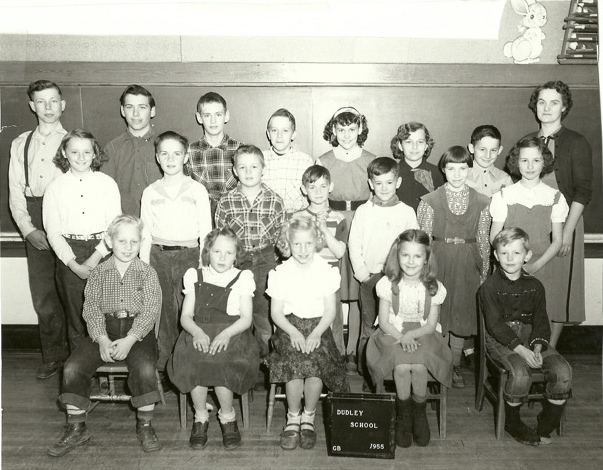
[201, 416]
[227, 417]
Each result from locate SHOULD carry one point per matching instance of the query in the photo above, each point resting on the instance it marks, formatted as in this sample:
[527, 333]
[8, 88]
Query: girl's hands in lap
[298, 341]
[312, 342]
[220, 343]
[201, 342]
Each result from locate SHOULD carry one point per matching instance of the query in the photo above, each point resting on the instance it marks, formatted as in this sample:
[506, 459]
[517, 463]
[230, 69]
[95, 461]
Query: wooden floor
[32, 419]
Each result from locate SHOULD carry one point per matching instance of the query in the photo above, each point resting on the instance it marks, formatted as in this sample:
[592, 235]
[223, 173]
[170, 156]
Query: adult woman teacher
[573, 176]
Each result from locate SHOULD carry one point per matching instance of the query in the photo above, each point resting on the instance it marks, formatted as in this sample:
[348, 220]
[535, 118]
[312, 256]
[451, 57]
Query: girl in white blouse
[305, 356]
[78, 207]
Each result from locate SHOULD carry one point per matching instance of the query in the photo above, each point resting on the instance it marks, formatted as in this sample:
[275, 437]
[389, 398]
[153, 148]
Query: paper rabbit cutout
[527, 47]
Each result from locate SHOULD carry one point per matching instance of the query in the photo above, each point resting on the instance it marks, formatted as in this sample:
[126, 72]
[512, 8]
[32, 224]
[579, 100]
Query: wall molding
[295, 74]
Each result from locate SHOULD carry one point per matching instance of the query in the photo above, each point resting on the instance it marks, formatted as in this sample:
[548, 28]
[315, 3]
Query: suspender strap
[25, 158]
[396, 301]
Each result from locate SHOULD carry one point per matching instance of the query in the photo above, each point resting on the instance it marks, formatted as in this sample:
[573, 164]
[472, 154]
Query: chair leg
[182, 405]
[443, 410]
[111, 385]
[481, 381]
[500, 407]
[270, 412]
[245, 406]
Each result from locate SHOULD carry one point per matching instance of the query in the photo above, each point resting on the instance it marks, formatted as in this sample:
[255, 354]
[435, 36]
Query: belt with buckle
[454, 240]
[121, 314]
[171, 247]
[92, 236]
[345, 205]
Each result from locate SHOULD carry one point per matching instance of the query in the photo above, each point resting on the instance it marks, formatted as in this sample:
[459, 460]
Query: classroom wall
[416, 37]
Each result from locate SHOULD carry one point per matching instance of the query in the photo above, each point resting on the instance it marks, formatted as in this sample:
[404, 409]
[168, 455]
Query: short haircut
[137, 90]
[314, 173]
[530, 142]
[346, 117]
[124, 219]
[211, 238]
[248, 149]
[487, 130]
[382, 165]
[403, 132]
[171, 135]
[455, 154]
[40, 85]
[298, 224]
[211, 97]
[393, 270]
[509, 235]
[100, 156]
[559, 87]
[282, 112]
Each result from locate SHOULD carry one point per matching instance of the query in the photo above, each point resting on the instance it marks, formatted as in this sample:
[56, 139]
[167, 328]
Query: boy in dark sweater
[514, 309]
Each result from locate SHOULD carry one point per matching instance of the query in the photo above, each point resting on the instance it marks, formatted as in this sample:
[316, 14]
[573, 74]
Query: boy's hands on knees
[527, 355]
[220, 343]
[121, 347]
[81, 270]
[105, 347]
[38, 239]
[201, 342]
[298, 341]
[312, 342]
[408, 342]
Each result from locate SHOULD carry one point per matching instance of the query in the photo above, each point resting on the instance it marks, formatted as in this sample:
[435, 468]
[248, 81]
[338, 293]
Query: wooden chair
[491, 381]
[183, 405]
[437, 394]
[272, 397]
[114, 370]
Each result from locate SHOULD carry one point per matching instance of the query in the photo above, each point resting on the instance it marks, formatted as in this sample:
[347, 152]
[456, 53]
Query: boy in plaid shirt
[211, 157]
[255, 213]
[122, 303]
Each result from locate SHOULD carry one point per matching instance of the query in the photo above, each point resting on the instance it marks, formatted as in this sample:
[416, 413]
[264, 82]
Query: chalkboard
[449, 112]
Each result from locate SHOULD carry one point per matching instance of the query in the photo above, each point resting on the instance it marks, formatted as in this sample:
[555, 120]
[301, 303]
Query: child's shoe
[420, 427]
[548, 420]
[75, 435]
[517, 428]
[231, 437]
[290, 436]
[307, 436]
[147, 437]
[458, 381]
[404, 418]
[198, 439]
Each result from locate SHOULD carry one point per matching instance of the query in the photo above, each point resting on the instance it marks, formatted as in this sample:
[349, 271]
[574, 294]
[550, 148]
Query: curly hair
[298, 224]
[211, 238]
[124, 219]
[559, 87]
[100, 157]
[393, 270]
[403, 132]
[530, 142]
[346, 117]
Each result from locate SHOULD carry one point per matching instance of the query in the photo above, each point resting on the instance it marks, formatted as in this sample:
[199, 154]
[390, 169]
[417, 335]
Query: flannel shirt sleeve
[92, 314]
[541, 329]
